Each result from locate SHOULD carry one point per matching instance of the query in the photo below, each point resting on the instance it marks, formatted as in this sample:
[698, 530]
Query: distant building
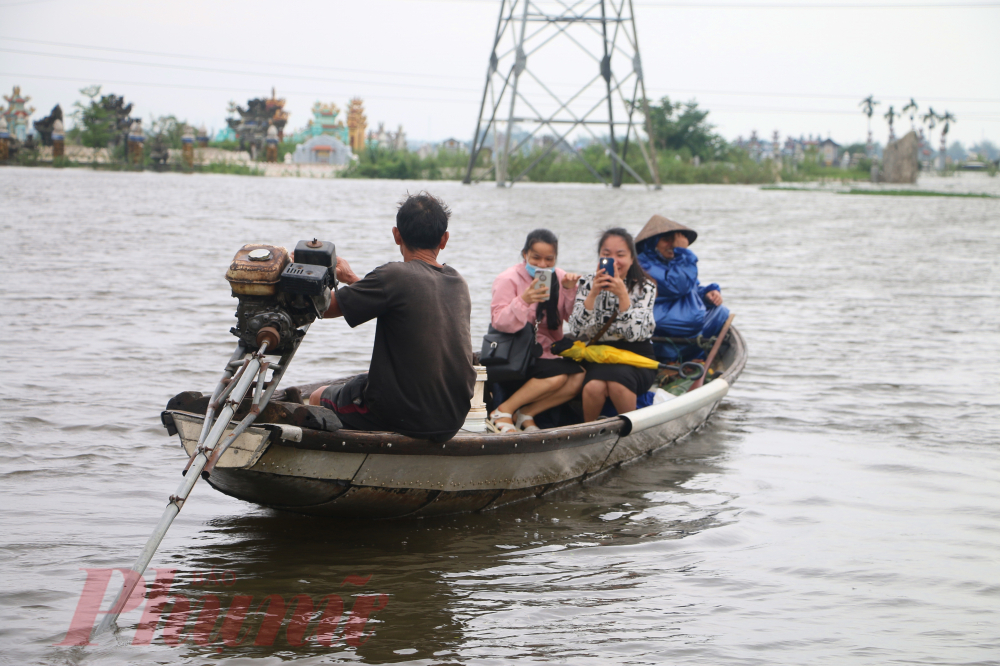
[276, 112]
[322, 149]
[324, 121]
[384, 138]
[795, 150]
[428, 149]
[357, 123]
[543, 142]
[250, 124]
[828, 151]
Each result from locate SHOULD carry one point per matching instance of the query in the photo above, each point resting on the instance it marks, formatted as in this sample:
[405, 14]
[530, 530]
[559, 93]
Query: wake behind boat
[295, 460]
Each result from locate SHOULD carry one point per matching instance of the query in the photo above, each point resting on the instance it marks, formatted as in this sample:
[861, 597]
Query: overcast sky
[799, 69]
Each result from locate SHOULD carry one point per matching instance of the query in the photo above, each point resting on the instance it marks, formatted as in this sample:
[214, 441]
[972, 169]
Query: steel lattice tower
[558, 96]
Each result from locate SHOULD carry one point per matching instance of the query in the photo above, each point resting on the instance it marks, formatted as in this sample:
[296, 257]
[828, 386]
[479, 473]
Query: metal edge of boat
[356, 474]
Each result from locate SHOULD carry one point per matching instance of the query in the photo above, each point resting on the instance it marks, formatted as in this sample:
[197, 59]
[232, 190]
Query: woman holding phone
[520, 298]
[619, 290]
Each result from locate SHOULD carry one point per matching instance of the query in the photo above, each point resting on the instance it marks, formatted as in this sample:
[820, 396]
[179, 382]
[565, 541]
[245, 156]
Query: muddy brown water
[842, 506]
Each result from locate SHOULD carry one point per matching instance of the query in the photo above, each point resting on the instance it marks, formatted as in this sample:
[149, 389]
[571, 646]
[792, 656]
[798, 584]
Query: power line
[25, 2]
[774, 5]
[237, 60]
[671, 91]
[708, 5]
[216, 70]
[719, 5]
[982, 100]
[181, 86]
[825, 112]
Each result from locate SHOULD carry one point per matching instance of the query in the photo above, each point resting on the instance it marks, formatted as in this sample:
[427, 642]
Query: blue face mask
[530, 269]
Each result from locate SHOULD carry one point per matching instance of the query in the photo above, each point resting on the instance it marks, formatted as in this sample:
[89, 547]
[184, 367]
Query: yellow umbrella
[607, 354]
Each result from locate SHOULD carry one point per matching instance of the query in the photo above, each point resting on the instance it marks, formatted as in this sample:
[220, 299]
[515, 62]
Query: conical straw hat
[659, 225]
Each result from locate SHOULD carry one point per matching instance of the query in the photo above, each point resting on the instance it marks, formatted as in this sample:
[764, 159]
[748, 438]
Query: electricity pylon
[585, 76]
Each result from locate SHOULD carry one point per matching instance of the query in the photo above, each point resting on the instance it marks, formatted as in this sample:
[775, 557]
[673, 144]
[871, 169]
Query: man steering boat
[421, 378]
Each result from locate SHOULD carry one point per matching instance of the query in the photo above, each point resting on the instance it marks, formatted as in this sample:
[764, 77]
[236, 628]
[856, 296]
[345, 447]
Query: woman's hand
[534, 293]
[612, 283]
[617, 287]
[601, 281]
[714, 297]
[569, 280]
[591, 300]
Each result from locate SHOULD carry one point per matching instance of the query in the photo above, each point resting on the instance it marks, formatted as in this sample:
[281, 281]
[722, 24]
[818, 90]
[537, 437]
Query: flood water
[841, 507]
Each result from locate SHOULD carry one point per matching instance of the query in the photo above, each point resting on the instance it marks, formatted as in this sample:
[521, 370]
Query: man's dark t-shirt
[421, 376]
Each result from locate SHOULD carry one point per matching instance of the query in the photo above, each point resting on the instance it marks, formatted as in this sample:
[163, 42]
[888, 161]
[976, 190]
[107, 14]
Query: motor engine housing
[279, 295]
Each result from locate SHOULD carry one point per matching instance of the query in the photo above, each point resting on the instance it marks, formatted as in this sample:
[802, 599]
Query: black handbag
[508, 356]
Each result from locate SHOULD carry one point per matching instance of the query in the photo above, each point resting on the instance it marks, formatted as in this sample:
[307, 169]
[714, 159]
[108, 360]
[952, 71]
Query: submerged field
[839, 508]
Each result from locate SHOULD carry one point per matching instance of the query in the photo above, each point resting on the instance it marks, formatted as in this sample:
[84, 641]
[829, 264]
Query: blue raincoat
[681, 310]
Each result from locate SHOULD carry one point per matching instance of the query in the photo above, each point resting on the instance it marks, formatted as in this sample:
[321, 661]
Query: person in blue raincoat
[684, 308]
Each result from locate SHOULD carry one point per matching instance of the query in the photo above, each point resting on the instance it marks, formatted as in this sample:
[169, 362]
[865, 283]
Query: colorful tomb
[324, 121]
[322, 149]
[17, 113]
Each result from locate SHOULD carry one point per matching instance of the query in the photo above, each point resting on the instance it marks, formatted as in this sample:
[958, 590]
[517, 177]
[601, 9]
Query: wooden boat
[292, 460]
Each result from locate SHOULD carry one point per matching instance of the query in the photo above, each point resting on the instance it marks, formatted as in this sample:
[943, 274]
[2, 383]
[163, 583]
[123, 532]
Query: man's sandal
[502, 427]
[522, 418]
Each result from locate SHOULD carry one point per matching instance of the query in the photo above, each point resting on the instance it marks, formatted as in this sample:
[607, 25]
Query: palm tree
[890, 116]
[947, 119]
[930, 119]
[912, 108]
[868, 108]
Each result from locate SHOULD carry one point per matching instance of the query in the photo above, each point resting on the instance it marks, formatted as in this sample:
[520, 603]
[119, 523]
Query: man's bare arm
[345, 275]
[333, 311]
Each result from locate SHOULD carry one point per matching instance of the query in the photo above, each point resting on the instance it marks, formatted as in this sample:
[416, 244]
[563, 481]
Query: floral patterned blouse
[634, 325]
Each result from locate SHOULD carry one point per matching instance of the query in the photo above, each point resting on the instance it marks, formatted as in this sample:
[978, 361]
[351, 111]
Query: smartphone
[544, 277]
[608, 264]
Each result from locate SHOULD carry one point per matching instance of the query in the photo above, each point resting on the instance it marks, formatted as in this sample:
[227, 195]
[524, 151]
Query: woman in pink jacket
[517, 300]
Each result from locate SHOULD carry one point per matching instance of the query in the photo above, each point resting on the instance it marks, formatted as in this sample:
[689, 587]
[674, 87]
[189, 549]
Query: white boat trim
[654, 415]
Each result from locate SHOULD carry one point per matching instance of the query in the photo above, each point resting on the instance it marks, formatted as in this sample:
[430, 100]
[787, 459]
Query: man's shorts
[348, 401]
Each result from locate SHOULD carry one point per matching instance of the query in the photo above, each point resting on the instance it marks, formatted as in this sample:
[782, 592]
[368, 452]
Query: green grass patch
[887, 193]
[779, 188]
[920, 193]
[234, 169]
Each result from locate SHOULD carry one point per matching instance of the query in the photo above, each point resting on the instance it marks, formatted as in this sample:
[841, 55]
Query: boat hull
[354, 474]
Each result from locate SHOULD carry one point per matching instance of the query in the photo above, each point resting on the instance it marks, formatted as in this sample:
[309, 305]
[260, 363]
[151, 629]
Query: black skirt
[637, 380]
[542, 368]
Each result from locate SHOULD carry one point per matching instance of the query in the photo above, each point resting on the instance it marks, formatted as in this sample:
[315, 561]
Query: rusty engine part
[276, 296]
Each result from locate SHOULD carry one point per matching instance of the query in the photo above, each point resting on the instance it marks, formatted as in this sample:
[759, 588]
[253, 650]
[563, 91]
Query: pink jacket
[509, 312]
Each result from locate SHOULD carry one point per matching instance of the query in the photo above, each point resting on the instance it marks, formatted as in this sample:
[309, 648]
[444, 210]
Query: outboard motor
[278, 296]
[279, 300]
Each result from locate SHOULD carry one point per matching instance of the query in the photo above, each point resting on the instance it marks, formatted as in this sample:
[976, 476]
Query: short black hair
[422, 220]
